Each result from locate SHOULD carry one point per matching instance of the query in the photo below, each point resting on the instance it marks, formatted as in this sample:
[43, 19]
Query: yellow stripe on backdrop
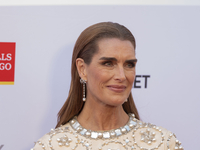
[6, 83]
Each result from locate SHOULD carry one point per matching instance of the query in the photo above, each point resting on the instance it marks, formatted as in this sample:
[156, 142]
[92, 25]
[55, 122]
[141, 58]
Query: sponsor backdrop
[36, 44]
[7, 63]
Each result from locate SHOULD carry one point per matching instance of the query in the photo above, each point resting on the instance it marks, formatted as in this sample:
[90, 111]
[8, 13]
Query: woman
[100, 113]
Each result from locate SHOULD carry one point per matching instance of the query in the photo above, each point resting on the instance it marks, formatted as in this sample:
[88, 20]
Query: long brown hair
[86, 46]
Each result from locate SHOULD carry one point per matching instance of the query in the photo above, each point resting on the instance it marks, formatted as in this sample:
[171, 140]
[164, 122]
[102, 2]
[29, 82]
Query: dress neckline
[104, 134]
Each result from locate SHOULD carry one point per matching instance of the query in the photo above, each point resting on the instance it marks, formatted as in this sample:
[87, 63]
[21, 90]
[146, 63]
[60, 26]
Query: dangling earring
[126, 100]
[83, 82]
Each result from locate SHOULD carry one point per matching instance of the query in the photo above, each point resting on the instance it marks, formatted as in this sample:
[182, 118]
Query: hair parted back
[86, 46]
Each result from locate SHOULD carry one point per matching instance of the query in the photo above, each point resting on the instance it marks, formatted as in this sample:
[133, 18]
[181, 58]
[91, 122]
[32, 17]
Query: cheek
[131, 76]
[97, 76]
[101, 77]
[96, 82]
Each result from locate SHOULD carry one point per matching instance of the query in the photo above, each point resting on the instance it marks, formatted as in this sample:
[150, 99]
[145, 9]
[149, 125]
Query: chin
[116, 103]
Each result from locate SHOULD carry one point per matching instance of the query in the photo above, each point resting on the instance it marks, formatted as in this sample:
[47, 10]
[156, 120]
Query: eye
[108, 63]
[130, 65]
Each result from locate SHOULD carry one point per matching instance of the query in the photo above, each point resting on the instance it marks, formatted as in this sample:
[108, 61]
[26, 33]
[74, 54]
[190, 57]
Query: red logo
[7, 62]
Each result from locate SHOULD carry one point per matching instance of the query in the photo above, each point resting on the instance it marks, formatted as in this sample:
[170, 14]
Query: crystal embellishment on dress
[83, 131]
[130, 139]
[178, 145]
[104, 134]
[149, 133]
[127, 140]
[148, 136]
[112, 134]
[94, 135]
[64, 141]
[76, 125]
[118, 132]
[87, 144]
[127, 127]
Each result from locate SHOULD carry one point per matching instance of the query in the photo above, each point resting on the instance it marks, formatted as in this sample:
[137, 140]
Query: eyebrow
[132, 60]
[114, 59]
[108, 58]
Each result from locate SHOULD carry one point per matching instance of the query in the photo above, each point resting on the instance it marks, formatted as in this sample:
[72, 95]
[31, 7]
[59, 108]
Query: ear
[81, 67]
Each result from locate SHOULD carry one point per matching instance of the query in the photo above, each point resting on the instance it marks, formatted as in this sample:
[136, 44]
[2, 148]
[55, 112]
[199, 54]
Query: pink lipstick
[117, 88]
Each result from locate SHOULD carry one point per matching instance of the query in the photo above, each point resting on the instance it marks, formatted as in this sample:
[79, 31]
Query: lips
[117, 88]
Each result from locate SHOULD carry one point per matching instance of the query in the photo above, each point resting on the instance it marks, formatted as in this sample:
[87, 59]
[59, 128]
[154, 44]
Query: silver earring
[126, 100]
[83, 82]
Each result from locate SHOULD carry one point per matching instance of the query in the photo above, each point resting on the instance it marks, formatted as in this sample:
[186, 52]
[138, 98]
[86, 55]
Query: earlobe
[81, 68]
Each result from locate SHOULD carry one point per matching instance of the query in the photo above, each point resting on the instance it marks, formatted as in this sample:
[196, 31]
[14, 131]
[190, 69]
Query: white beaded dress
[135, 135]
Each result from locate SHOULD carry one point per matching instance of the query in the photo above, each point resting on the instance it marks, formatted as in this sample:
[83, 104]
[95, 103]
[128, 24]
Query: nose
[120, 74]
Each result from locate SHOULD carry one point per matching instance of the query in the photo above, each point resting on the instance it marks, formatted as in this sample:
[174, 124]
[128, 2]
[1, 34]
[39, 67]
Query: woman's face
[111, 73]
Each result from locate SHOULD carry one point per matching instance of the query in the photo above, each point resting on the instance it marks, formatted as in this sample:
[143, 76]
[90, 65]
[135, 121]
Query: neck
[101, 117]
